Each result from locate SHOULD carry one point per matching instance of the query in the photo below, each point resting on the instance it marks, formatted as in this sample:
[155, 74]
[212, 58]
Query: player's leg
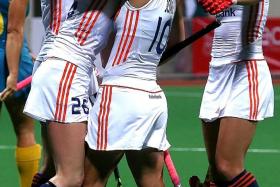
[210, 132]
[234, 139]
[146, 166]
[47, 170]
[67, 144]
[100, 166]
[28, 153]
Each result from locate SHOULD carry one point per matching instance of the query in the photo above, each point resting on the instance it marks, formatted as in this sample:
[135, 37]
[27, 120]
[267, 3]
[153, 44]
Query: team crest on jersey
[170, 8]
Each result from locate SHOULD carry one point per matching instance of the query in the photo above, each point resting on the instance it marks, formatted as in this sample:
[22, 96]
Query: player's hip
[241, 90]
[59, 92]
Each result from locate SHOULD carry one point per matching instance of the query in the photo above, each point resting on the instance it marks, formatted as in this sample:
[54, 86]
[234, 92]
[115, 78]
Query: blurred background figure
[15, 65]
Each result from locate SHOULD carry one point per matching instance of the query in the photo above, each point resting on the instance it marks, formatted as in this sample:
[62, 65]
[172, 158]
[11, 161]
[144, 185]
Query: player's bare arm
[15, 35]
[177, 33]
[217, 6]
[178, 28]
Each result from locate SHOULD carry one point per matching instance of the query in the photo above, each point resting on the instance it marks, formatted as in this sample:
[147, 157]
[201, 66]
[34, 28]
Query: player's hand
[216, 6]
[11, 87]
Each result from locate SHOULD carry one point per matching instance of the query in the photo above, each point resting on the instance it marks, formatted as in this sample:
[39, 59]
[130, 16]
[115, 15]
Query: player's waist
[131, 82]
[229, 60]
[84, 62]
[223, 58]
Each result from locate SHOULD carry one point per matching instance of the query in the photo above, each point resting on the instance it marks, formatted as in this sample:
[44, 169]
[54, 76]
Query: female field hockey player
[239, 91]
[15, 65]
[62, 102]
[130, 113]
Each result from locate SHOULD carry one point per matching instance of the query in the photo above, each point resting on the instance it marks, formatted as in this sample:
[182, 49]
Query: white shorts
[59, 92]
[242, 89]
[124, 118]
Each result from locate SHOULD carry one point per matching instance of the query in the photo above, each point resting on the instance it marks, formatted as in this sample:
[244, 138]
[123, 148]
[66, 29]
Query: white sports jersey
[141, 38]
[84, 33]
[54, 12]
[240, 35]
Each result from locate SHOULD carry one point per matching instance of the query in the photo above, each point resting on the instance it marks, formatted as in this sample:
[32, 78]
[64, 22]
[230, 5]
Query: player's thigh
[235, 137]
[21, 122]
[146, 163]
[100, 164]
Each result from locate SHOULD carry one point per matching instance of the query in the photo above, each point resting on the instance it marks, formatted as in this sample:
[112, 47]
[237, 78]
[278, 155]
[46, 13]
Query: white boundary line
[186, 149]
[181, 149]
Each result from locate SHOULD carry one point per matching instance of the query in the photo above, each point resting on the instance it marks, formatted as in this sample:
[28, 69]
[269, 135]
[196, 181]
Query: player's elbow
[15, 32]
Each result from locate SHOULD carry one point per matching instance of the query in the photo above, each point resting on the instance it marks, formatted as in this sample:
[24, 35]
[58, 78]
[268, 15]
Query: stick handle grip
[171, 169]
[24, 83]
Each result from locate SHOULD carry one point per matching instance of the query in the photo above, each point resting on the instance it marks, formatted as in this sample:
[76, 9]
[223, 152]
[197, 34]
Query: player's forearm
[15, 29]
[13, 50]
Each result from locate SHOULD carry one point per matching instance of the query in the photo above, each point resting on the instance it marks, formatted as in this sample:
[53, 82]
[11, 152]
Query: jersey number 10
[160, 49]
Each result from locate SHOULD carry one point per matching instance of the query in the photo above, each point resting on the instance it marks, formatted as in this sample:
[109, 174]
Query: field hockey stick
[181, 45]
[117, 177]
[24, 83]
[171, 169]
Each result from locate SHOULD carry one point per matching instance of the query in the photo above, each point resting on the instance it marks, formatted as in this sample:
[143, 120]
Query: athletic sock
[27, 160]
[39, 179]
[244, 179]
[48, 184]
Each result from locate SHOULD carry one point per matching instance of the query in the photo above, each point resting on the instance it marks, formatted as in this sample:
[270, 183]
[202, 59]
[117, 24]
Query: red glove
[216, 6]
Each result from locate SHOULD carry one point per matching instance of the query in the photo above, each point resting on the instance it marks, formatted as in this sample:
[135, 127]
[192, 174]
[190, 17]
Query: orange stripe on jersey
[65, 85]
[122, 37]
[59, 16]
[100, 118]
[257, 30]
[92, 5]
[253, 88]
[250, 88]
[106, 120]
[54, 16]
[59, 90]
[133, 34]
[103, 118]
[68, 91]
[93, 22]
[126, 39]
[256, 88]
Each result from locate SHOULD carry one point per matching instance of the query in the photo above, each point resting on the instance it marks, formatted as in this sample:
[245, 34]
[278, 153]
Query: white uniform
[54, 12]
[239, 83]
[60, 87]
[131, 110]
